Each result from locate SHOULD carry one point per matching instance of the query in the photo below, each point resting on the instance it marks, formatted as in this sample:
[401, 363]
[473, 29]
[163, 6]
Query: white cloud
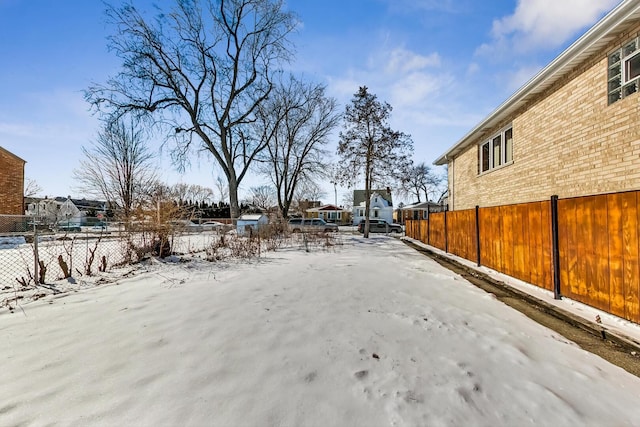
[473, 68]
[543, 24]
[404, 78]
[416, 88]
[403, 61]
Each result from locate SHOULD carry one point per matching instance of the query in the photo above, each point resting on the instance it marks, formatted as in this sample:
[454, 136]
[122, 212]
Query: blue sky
[442, 64]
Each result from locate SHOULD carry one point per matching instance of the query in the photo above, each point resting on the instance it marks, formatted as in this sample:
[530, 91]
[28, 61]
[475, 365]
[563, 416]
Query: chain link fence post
[36, 258]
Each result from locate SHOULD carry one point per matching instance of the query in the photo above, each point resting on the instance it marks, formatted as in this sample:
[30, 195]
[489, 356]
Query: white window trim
[625, 87]
[503, 144]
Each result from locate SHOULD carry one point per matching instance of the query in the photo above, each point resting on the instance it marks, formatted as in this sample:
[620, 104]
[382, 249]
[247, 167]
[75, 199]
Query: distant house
[11, 183]
[572, 130]
[249, 223]
[55, 210]
[418, 211]
[69, 212]
[330, 213]
[381, 206]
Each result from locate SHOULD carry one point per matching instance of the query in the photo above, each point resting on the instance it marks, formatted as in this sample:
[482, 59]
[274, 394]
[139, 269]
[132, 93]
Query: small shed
[251, 222]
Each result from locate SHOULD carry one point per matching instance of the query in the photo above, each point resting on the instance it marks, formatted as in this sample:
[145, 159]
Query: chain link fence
[36, 251]
[36, 254]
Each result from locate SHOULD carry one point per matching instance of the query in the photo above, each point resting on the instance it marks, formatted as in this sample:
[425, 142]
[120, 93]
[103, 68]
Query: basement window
[623, 71]
[496, 152]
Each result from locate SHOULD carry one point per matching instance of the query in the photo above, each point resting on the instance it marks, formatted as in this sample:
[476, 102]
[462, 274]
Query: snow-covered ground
[607, 321]
[367, 333]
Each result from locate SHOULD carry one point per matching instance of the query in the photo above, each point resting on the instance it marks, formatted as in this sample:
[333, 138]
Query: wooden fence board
[575, 268]
[616, 273]
[498, 228]
[488, 237]
[521, 243]
[600, 266]
[436, 224]
[562, 247]
[631, 268]
[424, 224]
[535, 244]
[506, 214]
[582, 225]
[546, 247]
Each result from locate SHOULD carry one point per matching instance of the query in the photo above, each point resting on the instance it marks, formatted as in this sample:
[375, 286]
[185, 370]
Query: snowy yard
[369, 333]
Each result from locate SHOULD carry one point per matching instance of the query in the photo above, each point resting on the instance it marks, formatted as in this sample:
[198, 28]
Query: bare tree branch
[31, 188]
[421, 183]
[263, 196]
[118, 167]
[298, 120]
[199, 72]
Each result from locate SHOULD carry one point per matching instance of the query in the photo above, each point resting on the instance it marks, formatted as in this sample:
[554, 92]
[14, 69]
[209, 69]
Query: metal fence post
[36, 258]
[478, 235]
[554, 247]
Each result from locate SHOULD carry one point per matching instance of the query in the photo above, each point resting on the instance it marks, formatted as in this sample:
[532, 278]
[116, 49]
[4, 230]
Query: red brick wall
[11, 184]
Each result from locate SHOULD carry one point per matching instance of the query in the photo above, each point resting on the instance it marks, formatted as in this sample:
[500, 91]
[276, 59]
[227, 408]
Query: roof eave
[13, 155]
[578, 52]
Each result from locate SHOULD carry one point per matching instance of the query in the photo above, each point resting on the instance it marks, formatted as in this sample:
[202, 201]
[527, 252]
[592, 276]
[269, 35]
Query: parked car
[99, 226]
[188, 225]
[184, 225]
[298, 225]
[66, 226]
[380, 226]
[213, 225]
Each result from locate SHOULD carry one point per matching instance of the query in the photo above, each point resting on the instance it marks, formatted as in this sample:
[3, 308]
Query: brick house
[11, 183]
[572, 130]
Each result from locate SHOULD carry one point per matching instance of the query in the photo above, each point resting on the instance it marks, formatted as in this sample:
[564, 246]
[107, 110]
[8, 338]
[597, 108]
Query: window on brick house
[496, 152]
[623, 72]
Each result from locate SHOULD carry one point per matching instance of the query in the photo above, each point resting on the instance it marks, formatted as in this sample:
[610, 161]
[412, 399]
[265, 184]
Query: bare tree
[222, 188]
[263, 196]
[303, 118]
[369, 147]
[188, 197]
[309, 190]
[347, 200]
[31, 188]
[421, 181]
[200, 70]
[118, 167]
[200, 194]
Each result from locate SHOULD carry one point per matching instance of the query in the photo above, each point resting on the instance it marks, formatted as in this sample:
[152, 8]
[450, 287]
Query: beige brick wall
[567, 142]
[11, 184]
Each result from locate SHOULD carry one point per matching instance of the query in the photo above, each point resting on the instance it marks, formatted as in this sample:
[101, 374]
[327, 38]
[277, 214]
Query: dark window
[496, 152]
[497, 156]
[485, 157]
[623, 72]
[632, 67]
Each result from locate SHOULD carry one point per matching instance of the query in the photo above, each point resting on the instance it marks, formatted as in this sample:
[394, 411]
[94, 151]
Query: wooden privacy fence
[596, 251]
